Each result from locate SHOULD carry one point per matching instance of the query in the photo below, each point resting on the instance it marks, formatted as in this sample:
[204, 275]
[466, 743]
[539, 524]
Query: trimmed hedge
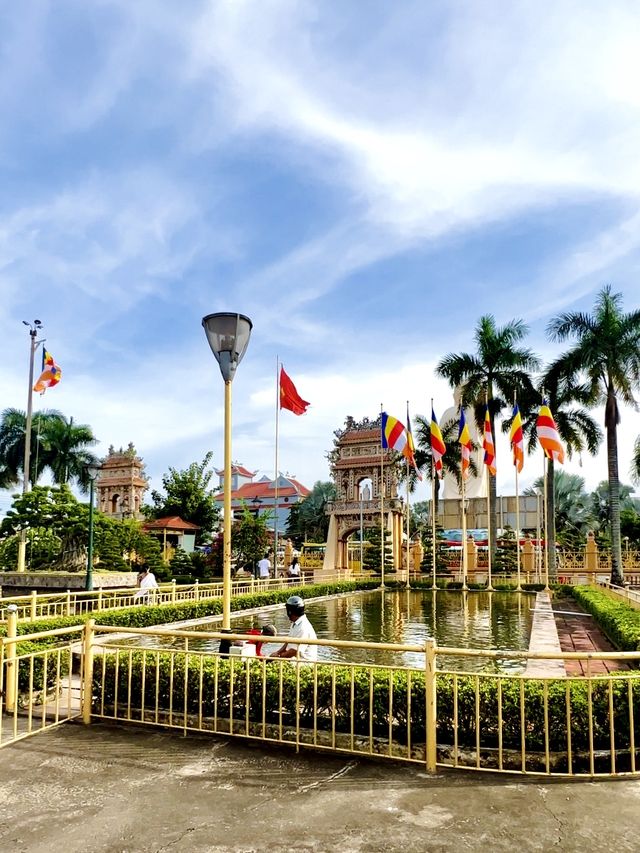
[619, 621]
[391, 684]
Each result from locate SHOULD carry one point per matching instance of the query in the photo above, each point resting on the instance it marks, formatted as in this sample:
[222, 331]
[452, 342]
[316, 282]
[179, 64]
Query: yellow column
[591, 555]
[87, 672]
[11, 686]
[34, 604]
[226, 532]
[431, 717]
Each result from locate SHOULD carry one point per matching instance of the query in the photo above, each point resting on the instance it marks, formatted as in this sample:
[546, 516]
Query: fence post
[431, 720]
[34, 604]
[196, 591]
[11, 686]
[87, 671]
[173, 590]
[68, 605]
[99, 598]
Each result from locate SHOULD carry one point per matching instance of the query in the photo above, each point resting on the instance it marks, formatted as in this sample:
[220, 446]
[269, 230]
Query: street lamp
[92, 472]
[228, 336]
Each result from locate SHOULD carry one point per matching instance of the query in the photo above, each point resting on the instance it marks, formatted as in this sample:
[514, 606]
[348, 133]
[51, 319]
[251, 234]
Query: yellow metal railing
[38, 605]
[571, 726]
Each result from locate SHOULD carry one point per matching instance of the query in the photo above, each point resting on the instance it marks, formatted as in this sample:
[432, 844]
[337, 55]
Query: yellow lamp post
[228, 336]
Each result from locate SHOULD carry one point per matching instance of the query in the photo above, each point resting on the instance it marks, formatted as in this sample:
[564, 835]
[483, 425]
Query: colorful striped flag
[548, 434]
[410, 449]
[466, 446]
[488, 445]
[394, 434]
[51, 373]
[516, 438]
[438, 447]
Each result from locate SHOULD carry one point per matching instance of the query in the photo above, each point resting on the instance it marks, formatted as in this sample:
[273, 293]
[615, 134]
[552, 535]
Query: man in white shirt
[148, 582]
[301, 629]
[264, 568]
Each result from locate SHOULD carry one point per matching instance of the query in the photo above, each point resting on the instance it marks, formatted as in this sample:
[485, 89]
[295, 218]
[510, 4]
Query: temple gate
[366, 491]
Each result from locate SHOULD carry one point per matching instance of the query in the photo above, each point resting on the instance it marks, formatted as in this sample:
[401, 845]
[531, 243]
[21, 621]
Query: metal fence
[38, 605]
[479, 721]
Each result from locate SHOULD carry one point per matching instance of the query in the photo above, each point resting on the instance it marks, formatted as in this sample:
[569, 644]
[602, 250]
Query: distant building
[260, 497]
[121, 484]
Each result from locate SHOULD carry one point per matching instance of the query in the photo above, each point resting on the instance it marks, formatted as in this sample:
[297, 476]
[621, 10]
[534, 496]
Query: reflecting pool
[476, 620]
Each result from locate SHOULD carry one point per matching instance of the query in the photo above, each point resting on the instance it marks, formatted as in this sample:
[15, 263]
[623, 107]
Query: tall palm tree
[635, 461]
[66, 450]
[606, 356]
[13, 428]
[573, 505]
[577, 429]
[498, 369]
[57, 443]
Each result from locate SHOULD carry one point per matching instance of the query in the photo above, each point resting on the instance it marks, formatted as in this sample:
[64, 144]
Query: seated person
[301, 628]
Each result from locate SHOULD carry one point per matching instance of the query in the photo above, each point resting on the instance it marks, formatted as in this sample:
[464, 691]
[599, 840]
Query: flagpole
[489, 566]
[275, 522]
[408, 519]
[545, 516]
[519, 584]
[382, 543]
[464, 538]
[26, 478]
[433, 514]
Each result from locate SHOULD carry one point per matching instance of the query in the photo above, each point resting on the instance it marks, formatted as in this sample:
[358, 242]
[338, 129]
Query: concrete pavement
[120, 790]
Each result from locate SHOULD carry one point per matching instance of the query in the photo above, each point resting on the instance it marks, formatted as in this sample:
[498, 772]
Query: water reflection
[477, 620]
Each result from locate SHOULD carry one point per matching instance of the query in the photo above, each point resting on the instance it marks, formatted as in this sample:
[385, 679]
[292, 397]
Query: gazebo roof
[171, 522]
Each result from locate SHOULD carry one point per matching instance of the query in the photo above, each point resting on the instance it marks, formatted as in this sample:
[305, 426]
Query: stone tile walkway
[582, 634]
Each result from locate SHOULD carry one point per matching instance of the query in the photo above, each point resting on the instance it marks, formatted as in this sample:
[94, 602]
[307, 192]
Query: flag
[410, 450]
[289, 397]
[51, 373]
[394, 434]
[548, 434]
[438, 447]
[516, 438]
[466, 446]
[488, 445]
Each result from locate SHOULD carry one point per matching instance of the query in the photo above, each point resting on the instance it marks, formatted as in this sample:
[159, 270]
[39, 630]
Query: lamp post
[228, 336]
[92, 473]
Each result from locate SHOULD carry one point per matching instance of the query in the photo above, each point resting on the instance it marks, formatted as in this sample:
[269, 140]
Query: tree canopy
[187, 494]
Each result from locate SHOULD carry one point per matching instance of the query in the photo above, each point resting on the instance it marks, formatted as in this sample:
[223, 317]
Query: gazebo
[174, 533]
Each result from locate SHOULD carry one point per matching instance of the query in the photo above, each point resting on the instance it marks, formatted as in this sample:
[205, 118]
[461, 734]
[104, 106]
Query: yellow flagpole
[434, 474]
[519, 584]
[275, 498]
[464, 526]
[382, 542]
[408, 518]
[489, 567]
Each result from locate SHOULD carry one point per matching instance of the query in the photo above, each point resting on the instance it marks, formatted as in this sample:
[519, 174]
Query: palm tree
[606, 355]
[57, 443]
[635, 461]
[13, 428]
[66, 450]
[576, 427]
[499, 369]
[573, 505]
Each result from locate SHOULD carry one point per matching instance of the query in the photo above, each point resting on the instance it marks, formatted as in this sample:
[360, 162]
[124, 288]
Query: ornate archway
[356, 458]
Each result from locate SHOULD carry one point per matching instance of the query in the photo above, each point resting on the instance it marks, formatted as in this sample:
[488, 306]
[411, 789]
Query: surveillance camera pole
[34, 328]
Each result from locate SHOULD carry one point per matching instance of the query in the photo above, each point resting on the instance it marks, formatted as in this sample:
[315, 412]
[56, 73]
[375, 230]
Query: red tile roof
[237, 469]
[266, 491]
[171, 522]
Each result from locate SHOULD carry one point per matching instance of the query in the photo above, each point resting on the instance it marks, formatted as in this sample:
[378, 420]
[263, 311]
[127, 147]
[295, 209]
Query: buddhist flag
[548, 434]
[289, 397]
[410, 449]
[51, 373]
[438, 447]
[394, 434]
[488, 445]
[466, 446]
[516, 438]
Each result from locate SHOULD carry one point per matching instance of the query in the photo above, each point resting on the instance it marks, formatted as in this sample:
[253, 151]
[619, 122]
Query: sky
[364, 181]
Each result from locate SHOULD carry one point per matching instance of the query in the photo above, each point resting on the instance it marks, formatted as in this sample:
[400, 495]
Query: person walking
[147, 582]
[264, 568]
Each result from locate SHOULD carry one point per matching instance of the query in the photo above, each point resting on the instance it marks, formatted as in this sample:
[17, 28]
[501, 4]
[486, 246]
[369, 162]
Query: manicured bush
[377, 700]
[619, 621]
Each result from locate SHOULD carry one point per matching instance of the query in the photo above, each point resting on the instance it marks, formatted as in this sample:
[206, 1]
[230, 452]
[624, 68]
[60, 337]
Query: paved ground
[582, 634]
[111, 790]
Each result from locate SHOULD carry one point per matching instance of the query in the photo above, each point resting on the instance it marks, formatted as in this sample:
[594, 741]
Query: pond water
[477, 620]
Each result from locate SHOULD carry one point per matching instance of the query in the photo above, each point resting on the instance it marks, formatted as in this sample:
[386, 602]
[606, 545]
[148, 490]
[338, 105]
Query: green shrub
[376, 699]
[619, 621]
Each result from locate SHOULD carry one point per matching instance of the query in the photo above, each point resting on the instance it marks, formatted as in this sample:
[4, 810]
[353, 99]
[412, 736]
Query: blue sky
[364, 183]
